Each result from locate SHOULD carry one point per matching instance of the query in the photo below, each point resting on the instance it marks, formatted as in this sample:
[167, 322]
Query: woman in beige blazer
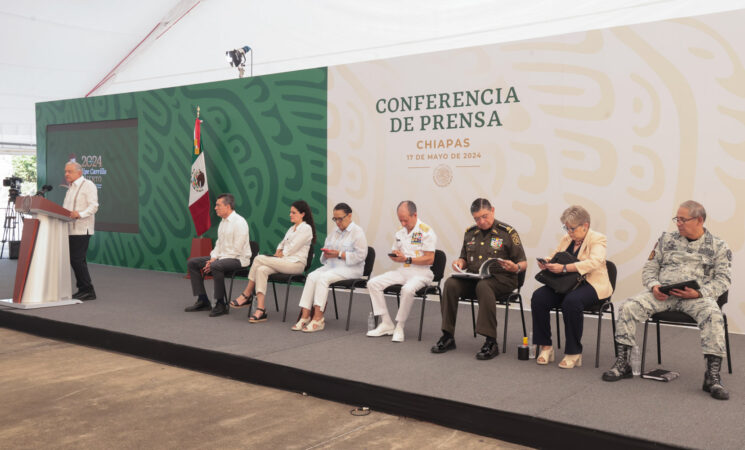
[588, 247]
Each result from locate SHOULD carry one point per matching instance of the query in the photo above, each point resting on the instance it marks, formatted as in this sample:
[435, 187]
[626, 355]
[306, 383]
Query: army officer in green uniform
[489, 238]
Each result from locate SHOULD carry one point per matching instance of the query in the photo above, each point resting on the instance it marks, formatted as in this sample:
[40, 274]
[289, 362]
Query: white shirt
[232, 240]
[412, 244]
[352, 242]
[296, 243]
[82, 196]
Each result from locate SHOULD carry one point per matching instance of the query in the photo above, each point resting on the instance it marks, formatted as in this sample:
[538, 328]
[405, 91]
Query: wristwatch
[408, 260]
[564, 270]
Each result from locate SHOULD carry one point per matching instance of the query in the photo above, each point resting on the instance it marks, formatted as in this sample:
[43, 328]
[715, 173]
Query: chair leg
[522, 314]
[336, 309]
[473, 317]
[230, 293]
[613, 324]
[644, 345]
[276, 302]
[558, 330]
[349, 312]
[421, 318]
[506, 319]
[287, 299]
[726, 342]
[597, 344]
[659, 348]
[351, 296]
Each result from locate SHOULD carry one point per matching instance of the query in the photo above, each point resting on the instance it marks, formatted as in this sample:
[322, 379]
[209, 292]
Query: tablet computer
[693, 284]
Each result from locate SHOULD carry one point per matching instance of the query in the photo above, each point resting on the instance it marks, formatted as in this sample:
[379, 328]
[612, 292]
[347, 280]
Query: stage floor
[146, 307]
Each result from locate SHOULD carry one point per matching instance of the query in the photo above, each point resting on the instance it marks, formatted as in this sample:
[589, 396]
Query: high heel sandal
[571, 361]
[249, 300]
[260, 318]
[300, 324]
[314, 325]
[545, 356]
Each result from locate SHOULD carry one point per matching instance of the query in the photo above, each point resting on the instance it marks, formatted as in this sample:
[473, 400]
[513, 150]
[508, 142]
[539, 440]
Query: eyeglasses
[339, 219]
[683, 219]
[570, 229]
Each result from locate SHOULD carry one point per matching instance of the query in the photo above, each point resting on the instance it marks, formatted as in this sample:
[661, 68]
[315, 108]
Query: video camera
[14, 187]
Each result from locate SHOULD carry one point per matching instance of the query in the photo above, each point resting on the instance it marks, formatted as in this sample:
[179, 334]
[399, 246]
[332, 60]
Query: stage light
[237, 58]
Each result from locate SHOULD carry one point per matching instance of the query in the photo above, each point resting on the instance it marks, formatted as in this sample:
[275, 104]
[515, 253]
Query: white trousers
[412, 281]
[316, 290]
[264, 265]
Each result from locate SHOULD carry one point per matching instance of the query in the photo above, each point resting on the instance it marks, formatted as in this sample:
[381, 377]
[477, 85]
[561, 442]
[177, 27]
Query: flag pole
[199, 246]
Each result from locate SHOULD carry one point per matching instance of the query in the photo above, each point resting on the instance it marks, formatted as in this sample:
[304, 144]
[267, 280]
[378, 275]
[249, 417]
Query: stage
[141, 312]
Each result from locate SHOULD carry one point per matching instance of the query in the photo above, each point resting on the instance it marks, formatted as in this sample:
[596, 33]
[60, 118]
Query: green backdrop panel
[264, 140]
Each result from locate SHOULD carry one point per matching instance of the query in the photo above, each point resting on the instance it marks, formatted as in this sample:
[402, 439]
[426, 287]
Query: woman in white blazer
[290, 257]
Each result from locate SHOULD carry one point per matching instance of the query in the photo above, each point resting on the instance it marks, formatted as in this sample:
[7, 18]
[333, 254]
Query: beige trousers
[264, 265]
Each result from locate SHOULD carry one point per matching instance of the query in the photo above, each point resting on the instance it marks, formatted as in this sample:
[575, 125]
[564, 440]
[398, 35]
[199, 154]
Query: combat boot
[712, 379]
[621, 368]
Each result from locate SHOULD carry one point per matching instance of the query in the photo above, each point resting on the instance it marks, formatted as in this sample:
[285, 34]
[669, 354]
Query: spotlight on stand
[237, 58]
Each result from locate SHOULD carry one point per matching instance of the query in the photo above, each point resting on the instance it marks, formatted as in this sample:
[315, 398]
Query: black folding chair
[683, 319]
[597, 309]
[288, 279]
[242, 272]
[438, 269]
[512, 297]
[354, 283]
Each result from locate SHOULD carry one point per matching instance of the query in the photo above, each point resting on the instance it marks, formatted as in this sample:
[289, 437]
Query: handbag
[561, 283]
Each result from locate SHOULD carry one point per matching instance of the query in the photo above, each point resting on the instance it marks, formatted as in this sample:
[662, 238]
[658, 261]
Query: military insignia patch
[651, 255]
[496, 243]
[515, 238]
[416, 238]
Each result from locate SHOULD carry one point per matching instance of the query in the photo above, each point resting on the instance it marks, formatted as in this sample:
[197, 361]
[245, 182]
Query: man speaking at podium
[82, 201]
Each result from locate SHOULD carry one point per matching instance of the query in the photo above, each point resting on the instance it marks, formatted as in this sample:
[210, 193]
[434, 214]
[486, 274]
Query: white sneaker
[382, 329]
[398, 334]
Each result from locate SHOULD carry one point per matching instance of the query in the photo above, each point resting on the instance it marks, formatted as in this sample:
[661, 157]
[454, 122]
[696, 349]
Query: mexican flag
[199, 198]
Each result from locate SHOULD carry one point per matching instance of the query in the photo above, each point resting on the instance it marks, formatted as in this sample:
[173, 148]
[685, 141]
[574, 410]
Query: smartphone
[392, 255]
[542, 260]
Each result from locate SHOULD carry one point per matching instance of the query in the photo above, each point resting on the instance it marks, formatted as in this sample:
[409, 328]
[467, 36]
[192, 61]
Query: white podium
[43, 272]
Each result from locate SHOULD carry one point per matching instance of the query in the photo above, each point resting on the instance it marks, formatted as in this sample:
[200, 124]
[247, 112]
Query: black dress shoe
[199, 305]
[85, 296]
[489, 350]
[444, 344]
[219, 309]
[77, 294]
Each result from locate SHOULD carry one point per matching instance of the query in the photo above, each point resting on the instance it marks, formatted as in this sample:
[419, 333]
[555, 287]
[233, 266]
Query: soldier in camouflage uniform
[489, 238]
[691, 253]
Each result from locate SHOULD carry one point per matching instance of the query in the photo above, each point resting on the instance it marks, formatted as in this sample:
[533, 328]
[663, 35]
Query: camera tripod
[11, 232]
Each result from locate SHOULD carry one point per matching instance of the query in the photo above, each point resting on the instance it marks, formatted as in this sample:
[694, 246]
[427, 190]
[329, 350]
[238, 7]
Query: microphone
[44, 189]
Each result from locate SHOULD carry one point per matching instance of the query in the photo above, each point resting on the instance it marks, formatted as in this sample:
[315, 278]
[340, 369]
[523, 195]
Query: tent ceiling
[56, 49]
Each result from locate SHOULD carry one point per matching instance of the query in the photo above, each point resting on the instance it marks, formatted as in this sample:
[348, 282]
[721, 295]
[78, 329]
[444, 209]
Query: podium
[43, 271]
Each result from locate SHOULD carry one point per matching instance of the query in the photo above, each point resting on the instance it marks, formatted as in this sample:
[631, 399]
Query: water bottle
[370, 321]
[636, 361]
[531, 347]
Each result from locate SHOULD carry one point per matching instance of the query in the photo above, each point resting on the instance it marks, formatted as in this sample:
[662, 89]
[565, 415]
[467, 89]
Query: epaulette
[424, 227]
[504, 226]
[471, 228]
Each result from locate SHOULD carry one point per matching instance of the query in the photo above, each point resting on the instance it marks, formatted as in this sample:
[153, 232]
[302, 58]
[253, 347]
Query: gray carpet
[151, 304]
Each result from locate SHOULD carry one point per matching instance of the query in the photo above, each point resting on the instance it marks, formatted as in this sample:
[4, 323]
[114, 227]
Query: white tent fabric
[57, 49]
